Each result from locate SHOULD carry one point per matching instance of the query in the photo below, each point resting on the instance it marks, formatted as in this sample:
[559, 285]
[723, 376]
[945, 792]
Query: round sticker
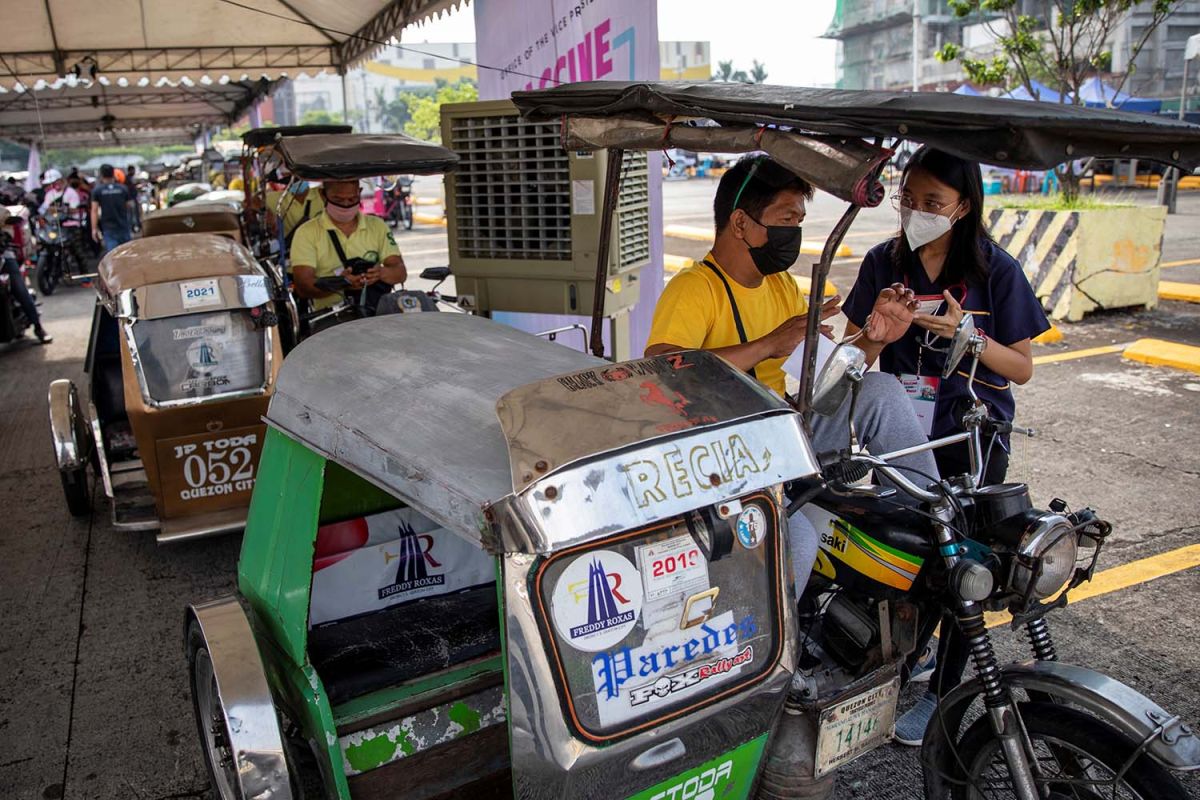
[597, 600]
[203, 356]
[751, 527]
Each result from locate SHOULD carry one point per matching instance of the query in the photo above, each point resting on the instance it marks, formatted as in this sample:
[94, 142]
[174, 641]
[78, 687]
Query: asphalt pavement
[94, 700]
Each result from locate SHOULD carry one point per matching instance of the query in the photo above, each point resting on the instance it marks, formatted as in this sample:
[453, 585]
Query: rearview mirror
[960, 344]
[435, 273]
[845, 367]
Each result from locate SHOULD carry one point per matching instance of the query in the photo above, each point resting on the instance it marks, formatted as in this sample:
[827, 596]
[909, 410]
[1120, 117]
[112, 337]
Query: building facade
[877, 37]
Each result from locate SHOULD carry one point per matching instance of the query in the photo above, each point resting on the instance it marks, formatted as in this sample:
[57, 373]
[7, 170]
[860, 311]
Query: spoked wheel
[214, 727]
[1078, 758]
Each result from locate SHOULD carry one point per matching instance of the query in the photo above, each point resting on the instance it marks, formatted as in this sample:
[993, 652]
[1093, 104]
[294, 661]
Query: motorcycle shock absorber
[1039, 637]
[970, 622]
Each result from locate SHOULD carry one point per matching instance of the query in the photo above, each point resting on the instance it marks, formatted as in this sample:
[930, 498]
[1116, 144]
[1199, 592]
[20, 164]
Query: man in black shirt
[112, 210]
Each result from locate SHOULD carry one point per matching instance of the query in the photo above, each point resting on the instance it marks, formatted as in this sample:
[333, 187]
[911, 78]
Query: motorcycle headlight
[52, 235]
[1045, 557]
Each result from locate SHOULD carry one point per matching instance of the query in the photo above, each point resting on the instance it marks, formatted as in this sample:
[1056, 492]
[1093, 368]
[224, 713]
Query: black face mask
[781, 250]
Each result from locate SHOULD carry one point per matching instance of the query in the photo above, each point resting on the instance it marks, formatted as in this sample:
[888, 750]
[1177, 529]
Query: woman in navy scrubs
[946, 256]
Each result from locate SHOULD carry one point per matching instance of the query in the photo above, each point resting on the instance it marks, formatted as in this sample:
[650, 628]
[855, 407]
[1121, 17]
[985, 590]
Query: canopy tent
[1095, 93]
[990, 130]
[968, 90]
[1041, 92]
[94, 111]
[231, 40]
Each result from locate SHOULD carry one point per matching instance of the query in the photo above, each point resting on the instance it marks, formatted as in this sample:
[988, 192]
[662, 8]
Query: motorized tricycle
[481, 565]
[180, 367]
[221, 217]
[355, 156]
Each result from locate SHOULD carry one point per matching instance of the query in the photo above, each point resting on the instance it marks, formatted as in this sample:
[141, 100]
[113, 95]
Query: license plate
[196, 294]
[856, 726]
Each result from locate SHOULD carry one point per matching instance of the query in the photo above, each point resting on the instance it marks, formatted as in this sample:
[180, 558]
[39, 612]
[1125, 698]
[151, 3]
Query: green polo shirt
[372, 240]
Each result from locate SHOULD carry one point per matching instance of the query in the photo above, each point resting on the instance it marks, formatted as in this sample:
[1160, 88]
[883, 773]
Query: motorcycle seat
[375, 651]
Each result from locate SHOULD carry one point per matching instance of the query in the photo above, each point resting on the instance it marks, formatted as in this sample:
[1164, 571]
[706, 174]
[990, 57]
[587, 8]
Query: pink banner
[536, 44]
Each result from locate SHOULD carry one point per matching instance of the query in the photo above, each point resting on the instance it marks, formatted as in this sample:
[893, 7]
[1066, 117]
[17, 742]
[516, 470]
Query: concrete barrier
[1080, 261]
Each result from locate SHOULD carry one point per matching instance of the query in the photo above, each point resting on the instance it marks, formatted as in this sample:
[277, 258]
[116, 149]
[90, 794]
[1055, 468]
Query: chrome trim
[245, 697]
[172, 531]
[158, 300]
[636, 486]
[187, 402]
[101, 456]
[63, 399]
[1166, 739]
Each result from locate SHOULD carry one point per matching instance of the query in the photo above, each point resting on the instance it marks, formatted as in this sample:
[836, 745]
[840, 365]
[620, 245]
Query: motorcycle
[13, 321]
[398, 202]
[894, 560]
[57, 251]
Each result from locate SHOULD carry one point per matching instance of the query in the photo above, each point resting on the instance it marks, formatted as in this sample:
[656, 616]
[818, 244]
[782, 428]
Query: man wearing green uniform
[322, 246]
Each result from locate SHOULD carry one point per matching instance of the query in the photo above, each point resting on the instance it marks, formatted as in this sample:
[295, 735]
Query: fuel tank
[868, 545]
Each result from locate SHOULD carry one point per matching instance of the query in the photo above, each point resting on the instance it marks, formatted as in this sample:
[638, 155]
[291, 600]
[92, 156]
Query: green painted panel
[275, 568]
[378, 702]
[346, 496]
[726, 777]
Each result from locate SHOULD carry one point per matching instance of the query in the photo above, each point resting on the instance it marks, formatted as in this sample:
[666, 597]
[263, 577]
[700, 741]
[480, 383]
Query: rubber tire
[75, 487]
[1147, 777]
[46, 282]
[408, 220]
[196, 643]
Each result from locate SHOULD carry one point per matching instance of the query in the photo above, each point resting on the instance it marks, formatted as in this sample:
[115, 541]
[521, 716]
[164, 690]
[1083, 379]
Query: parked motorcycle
[13, 321]
[888, 572]
[58, 254]
[398, 202]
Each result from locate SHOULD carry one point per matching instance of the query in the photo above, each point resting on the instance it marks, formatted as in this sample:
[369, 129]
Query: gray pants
[885, 421]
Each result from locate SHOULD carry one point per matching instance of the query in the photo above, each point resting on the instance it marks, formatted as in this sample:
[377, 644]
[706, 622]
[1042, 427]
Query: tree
[759, 73]
[425, 113]
[724, 71]
[394, 113]
[320, 117]
[1062, 51]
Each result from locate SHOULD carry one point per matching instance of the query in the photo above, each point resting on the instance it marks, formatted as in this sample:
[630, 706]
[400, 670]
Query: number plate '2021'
[856, 726]
[198, 294]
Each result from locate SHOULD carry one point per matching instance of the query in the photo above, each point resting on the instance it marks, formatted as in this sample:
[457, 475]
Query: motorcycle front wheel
[1078, 758]
[46, 273]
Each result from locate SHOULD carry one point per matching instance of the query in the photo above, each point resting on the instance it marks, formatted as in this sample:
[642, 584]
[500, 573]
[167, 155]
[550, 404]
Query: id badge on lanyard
[922, 390]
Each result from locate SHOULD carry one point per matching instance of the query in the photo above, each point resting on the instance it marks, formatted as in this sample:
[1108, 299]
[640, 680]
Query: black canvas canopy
[1007, 133]
[363, 155]
[261, 137]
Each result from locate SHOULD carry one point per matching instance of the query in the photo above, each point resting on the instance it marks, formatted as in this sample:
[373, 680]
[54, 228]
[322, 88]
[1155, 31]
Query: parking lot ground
[94, 703]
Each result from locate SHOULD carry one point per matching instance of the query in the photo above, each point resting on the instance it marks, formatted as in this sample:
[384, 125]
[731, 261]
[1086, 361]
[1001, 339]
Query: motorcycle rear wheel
[1078, 755]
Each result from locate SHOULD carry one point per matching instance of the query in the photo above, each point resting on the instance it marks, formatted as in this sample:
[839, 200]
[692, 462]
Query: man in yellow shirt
[742, 304]
[342, 242]
[300, 202]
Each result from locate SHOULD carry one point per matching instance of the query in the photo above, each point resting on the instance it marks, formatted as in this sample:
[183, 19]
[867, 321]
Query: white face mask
[923, 227]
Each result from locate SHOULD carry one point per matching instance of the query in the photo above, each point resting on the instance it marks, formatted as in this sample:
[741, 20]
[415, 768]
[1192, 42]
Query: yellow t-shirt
[694, 312]
[294, 207]
[372, 240]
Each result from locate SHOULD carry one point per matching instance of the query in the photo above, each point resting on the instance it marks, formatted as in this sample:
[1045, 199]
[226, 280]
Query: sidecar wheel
[235, 714]
[75, 487]
[1079, 757]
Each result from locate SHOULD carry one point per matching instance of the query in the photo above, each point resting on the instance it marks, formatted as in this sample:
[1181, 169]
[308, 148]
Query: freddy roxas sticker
[597, 600]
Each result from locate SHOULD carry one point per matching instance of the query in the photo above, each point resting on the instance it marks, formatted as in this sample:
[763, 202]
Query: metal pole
[612, 190]
[916, 46]
[1169, 185]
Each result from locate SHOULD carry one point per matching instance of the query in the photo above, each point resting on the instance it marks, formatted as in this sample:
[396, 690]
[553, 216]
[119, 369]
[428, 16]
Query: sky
[782, 34]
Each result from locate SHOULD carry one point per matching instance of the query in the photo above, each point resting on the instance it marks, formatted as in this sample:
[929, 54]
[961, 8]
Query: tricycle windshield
[646, 626]
[200, 355]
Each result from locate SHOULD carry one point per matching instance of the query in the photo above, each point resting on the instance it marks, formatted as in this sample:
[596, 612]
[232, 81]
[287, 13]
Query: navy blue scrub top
[1006, 309]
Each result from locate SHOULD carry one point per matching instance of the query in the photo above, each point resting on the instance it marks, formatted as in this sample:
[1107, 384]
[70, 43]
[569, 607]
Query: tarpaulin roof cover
[1002, 132]
[363, 155]
[1095, 93]
[261, 137]
[968, 90]
[173, 39]
[78, 114]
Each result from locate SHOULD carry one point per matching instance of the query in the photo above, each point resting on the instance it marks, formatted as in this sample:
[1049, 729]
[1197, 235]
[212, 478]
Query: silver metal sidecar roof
[408, 401]
[420, 405]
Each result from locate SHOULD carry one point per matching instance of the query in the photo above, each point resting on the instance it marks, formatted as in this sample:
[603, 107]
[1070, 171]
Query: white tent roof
[218, 39]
